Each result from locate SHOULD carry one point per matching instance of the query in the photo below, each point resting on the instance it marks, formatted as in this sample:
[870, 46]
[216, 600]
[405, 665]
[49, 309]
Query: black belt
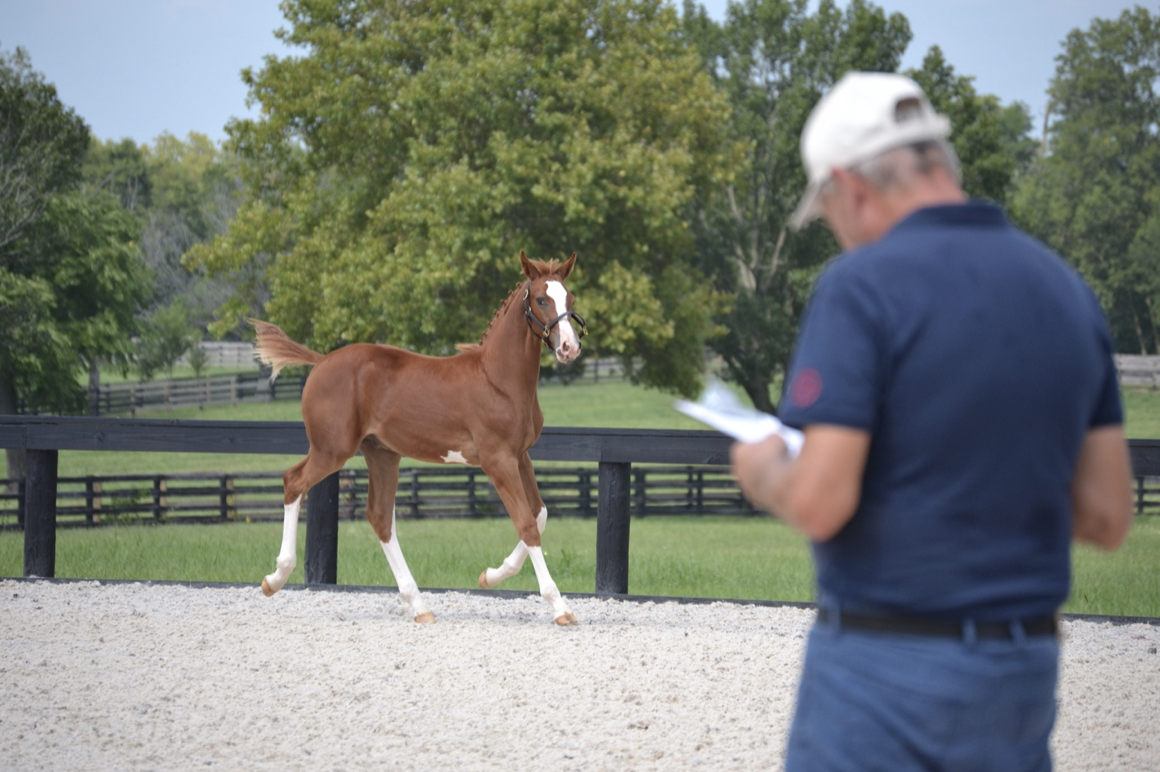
[941, 628]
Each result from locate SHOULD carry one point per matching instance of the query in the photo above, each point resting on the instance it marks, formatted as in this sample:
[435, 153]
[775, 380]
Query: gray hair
[895, 168]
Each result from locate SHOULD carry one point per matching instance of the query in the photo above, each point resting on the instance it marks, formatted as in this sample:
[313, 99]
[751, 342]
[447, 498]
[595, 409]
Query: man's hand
[816, 493]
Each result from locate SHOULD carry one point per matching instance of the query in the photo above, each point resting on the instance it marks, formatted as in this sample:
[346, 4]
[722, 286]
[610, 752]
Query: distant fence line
[1138, 370]
[423, 492]
[150, 396]
[156, 396]
[224, 353]
[153, 396]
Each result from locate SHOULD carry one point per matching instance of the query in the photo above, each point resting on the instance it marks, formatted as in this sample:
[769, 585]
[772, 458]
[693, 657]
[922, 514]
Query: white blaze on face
[454, 457]
[559, 296]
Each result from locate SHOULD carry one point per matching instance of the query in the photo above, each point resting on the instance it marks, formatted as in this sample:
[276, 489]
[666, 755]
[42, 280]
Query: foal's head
[548, 306]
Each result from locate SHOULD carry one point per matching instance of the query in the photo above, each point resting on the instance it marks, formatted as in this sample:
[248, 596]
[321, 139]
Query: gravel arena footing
[129, 676]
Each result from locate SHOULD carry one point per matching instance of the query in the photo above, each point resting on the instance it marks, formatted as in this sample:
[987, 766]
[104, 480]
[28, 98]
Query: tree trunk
[94, 387]
[17, 457]
[757, 388]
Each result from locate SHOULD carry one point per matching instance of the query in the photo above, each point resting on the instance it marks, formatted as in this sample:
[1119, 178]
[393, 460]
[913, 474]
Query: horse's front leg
[504, 473]
[515, 561]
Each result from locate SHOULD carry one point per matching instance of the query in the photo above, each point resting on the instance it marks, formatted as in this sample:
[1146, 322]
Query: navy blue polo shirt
[977, 360]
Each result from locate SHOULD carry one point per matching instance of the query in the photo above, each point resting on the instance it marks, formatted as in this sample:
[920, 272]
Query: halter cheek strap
[544, 331]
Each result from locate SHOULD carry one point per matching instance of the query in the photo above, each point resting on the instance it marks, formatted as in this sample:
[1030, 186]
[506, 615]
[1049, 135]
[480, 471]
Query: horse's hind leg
[298, 479]
[383, 473]
[515, 561]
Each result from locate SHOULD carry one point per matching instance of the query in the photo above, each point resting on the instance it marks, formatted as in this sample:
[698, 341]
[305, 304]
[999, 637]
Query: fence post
[612, 521]
[90, 497]
[322, 532]
[225, 490]
[21, 501]
[40, 514]
[160, 501]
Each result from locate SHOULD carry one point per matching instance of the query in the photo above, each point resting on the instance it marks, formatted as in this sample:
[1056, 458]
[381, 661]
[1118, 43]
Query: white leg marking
[515, 561]
[454, 457]
[288, 554]
[406, 583]
[548, 589]
[510, 567]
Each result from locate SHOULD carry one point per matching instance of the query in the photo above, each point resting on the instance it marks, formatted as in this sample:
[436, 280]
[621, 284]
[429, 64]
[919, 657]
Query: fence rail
[423, 492]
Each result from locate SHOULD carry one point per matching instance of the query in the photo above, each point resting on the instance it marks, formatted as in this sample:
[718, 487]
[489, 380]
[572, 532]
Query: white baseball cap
[863, 115]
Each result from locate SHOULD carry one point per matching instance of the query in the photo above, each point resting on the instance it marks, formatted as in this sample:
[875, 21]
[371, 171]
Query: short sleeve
[1108, 410]
[837, 371]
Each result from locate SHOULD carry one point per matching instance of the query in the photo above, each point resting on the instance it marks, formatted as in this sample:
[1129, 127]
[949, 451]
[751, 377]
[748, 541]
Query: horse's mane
[547, 268]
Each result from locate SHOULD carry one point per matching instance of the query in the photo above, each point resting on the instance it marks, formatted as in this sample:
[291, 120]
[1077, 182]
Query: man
[955, 383]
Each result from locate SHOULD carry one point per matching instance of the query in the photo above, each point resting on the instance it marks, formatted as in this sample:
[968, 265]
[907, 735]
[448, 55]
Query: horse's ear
[566, 268]
[529, 268]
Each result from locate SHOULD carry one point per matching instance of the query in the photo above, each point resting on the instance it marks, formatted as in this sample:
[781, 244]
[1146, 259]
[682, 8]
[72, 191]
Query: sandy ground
[167, 677]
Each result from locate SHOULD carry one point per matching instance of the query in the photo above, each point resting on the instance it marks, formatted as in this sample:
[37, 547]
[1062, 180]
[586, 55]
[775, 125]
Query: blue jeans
[873, 701]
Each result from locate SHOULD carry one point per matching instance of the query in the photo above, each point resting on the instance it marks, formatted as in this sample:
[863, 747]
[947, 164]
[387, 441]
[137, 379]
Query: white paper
[719, 407]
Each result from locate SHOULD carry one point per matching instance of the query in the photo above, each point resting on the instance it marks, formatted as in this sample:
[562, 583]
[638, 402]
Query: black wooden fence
[423, 492]
[613, 450]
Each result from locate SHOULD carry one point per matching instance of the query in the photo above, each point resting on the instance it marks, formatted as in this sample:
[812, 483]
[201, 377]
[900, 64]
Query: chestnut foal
[478, 407]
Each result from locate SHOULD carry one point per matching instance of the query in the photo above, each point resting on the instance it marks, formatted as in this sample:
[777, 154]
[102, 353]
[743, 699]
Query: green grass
[711, 557]
[1141, 413]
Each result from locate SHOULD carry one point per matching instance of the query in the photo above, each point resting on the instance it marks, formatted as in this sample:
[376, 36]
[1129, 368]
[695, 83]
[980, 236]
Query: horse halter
[545, 330]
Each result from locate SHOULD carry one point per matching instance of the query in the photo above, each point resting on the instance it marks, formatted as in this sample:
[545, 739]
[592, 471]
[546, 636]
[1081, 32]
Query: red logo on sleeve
[806, 388]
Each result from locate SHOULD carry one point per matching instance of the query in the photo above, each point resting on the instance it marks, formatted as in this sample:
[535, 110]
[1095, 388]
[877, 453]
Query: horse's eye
[541, 302]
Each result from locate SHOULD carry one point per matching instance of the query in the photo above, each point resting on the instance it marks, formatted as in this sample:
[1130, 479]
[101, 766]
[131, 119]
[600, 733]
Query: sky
[138, 68]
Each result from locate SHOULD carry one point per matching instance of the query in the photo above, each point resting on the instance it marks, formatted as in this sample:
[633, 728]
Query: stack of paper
[720, 408]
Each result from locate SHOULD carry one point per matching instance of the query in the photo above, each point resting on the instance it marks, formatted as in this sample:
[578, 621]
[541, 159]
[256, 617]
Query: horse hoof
[567, 620]
[426, 618]
[267, 590]
[483, 585]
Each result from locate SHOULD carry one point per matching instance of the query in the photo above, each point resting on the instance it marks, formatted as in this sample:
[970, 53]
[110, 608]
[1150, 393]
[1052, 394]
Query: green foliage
[70, 276]
[77, 304]
[991, 141]
[120, 168]
[42, 143]
[414, 149]
[198, 359]
[773, 60]
[1093, 196]
[165, 336]
[184, 192]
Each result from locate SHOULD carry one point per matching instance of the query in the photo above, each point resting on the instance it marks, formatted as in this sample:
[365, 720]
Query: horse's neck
[510, 352]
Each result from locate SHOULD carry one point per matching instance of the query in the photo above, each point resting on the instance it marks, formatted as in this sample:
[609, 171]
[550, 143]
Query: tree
[71, 278]
[42, 143]
[184, 192]
[122, 169]
[991, 141]
[774, 60]
[1094, 194]
[165, 336]
[415, 148]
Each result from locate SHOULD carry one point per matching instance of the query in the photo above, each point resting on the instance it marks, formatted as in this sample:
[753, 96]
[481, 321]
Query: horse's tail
[276, 349]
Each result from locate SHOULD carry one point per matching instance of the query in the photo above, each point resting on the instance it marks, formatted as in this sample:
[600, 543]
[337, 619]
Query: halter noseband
[545, 330]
